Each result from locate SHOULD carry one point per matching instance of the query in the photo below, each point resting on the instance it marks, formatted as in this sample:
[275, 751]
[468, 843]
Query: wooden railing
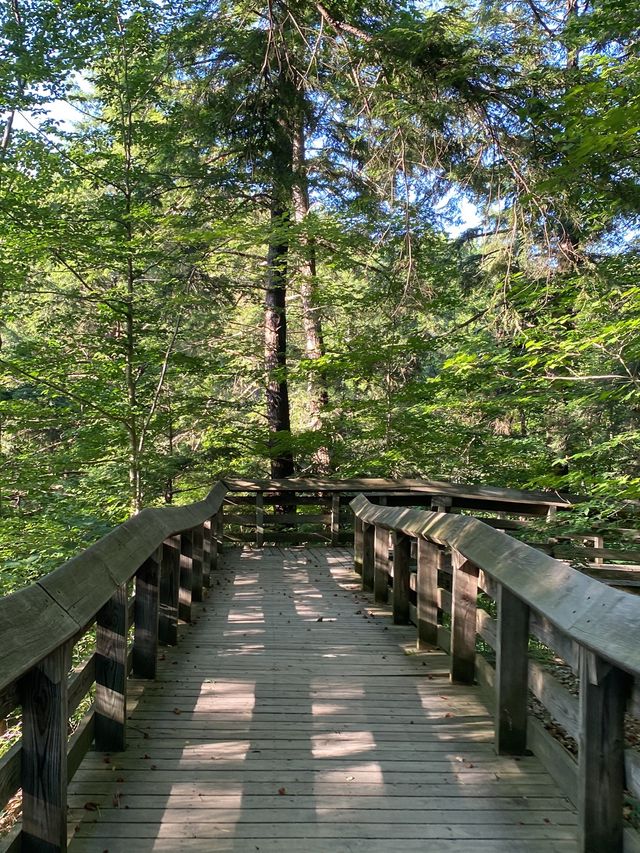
[317, 511]
[145, 573]
[593, 628]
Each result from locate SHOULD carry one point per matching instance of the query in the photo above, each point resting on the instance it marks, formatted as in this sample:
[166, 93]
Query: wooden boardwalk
[294, 716]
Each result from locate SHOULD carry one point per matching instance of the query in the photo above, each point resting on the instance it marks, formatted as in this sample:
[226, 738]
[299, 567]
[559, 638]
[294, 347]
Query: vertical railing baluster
[111, 673]
[512, 674]
[427, 592]
[186, 576]
[401, 577]
[381, 572]
[335, 518]
[146, 617]
[259, 519]
[463, 619]
[43, 694]
[358, 544]
[206, 554]
[368, 556]
[603, 694]
[169, 591]
[196, 564]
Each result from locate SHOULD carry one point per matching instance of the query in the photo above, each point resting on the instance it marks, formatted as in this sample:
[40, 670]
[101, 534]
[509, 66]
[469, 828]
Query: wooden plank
[169, 591]
[146, 617]
[598, 617]
[381, 565]
[80, 743]
[206, 553]
[111, 673]
[44, 754]
[463, 619]
[368, 557]
[10, 773]
[562, 705]
[335, 518]
[185, 595]
[80, 682]
[600, 756]
[259, 520]
[358, 544]
[197, 578]
[401, 574]
[512, 673]
[426, 592]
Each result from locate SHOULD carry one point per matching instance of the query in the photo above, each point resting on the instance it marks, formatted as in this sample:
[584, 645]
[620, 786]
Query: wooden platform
[295, 717]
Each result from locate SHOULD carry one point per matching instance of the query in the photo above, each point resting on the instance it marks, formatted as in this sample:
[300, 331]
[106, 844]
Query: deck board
[294, 715]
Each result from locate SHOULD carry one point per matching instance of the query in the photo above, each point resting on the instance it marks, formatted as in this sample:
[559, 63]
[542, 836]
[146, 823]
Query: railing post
[213, 544]
[146, 617]
[206, 553]
[335, 518]
[381, 566]
[512, 674]
[368, 556]
[111, 673]
[401, 577]
[196, 564]
[358, 544]
[219, 528]
[259, 519]
[169, 587]
[463, 619]
[603, 693]
[44, 754]
[427, 592]
[186, 576]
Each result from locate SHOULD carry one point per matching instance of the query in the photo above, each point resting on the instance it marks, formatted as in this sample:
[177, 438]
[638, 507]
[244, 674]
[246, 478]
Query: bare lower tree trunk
[275, 343]
[314, 341]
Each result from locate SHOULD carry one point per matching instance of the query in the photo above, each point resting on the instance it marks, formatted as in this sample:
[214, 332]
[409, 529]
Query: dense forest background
[246, 254]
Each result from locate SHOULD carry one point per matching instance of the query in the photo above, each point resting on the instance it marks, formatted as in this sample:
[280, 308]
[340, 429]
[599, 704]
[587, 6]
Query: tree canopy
[246, 253]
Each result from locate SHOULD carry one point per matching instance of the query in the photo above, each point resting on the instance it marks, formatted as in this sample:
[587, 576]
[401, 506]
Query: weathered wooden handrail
[596, 629]
[170, 553]
[317, 509]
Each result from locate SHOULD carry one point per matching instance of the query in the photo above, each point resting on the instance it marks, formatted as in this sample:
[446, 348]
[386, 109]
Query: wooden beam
[401, 576]
[358, 543]
[463, 619]
[197, 589]
[185, 596]
[206, 553]
[44, 754]
[603, 691]
[381, 566]
[368, 556]
[512, 674]
[169, 586]
[259, 519]
[146, 617]
[427, 592]
[335, 518]
[111, 673]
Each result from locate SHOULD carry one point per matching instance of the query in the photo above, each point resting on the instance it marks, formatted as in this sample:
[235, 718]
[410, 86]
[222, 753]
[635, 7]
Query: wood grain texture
[512, 674]
[600, 618]
[44, 754]
[185, 595]
[401, 576]
[111, 673]
[291, 719]
[368, 556]
[381, 565]
[427, 592]
[169, 591]
[463, 619]
[146, 617]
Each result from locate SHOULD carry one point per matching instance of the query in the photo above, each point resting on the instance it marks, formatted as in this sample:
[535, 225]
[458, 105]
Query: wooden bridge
[273, 696]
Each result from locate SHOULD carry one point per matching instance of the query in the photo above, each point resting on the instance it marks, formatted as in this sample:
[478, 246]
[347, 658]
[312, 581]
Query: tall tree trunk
[314, 341]
[275, 340]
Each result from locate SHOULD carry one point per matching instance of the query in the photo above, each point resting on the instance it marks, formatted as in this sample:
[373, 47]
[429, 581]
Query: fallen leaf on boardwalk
[320, 619]
[120, 779]
[351, 778]
[91, 807]
[282, 791]
[449, 714]
[177, 711]
[107, 759]
[146, 755]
